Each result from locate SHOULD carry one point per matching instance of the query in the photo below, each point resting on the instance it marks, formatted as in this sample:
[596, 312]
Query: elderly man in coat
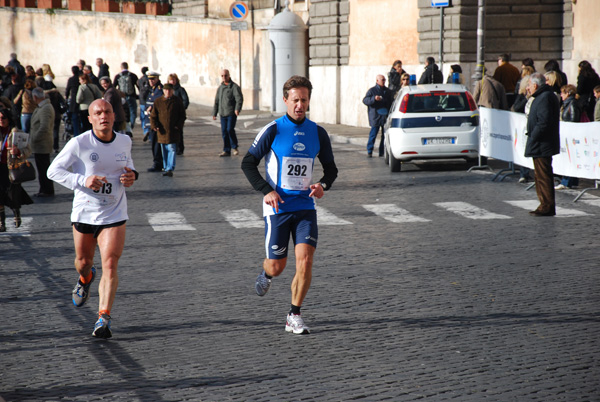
[167, 118]
[543, 141]
[41, 140]
[378, 99]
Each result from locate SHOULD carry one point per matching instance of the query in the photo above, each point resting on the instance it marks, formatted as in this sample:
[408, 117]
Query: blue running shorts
[302, 225]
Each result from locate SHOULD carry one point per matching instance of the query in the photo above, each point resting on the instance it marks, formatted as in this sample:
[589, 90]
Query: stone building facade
[540, 29]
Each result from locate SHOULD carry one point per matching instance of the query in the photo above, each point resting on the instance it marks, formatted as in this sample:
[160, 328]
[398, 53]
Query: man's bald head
[101, 116]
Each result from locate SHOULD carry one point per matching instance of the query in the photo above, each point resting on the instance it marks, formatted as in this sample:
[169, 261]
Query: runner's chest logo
[94, 157]
[299, 147]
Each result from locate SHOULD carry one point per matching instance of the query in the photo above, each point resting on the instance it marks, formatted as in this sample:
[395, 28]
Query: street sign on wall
[440, 3]
[239, 26]
[239, 10]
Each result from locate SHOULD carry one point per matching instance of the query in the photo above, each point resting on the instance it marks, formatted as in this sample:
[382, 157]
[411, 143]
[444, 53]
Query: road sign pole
[240, 56]
[239, 11]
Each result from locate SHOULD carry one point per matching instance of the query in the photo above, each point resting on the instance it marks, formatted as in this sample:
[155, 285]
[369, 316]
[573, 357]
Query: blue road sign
[440, 3]
[238, 10]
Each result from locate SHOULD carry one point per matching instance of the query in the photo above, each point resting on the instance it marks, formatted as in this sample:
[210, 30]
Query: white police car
[436, 121]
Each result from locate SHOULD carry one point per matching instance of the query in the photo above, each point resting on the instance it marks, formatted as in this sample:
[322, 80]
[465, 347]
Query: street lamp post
[480, 41]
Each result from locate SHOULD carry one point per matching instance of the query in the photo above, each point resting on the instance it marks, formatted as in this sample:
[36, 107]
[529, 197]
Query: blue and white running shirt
[290, 150]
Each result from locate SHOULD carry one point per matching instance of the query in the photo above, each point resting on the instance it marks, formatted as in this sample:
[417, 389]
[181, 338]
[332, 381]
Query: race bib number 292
[297, 173]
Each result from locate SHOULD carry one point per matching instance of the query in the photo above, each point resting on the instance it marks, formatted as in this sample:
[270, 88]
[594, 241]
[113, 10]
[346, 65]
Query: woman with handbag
[12, 195]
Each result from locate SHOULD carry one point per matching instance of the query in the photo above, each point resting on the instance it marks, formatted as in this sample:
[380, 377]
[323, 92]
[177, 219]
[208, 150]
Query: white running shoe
[262, 284]
[295, 324]
[560, 187]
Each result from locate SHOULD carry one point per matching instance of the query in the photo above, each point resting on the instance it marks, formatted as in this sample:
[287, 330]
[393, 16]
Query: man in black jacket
[11, 93]
[432, 73]
[543, 141]
[70, 96]
[103, 69]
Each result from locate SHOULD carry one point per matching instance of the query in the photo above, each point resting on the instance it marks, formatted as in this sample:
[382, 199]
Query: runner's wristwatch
[324, 185]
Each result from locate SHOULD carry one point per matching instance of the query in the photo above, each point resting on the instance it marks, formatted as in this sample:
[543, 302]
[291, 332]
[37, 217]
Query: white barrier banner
[503, 137]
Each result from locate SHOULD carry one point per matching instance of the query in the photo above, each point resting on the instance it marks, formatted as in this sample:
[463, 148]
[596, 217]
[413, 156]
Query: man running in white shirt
[97, 165]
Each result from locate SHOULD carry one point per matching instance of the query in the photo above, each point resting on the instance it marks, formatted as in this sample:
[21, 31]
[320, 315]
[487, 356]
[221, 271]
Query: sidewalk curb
[341, 139]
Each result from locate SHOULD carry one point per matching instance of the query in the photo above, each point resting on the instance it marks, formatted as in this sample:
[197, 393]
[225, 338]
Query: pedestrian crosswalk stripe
[324, 217]
[393, 213]
[24, 230]
[560, 212]
[168, 221]
[243, 218]
[469, 211]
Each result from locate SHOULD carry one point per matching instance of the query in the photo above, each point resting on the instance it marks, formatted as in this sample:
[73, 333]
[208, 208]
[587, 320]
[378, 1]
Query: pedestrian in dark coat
[11, 93]
[103, 69]
[586, 81]
[71, 97]
[167, 118]
[543, 141]
[155, 92]
[432, 73]
[378, 99]
[570, 111]
[112, 96]
[394, 82]
[181, 93]
[18, 68]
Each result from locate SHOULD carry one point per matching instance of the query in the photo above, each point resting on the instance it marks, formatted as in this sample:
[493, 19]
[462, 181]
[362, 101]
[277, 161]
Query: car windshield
[437, 102]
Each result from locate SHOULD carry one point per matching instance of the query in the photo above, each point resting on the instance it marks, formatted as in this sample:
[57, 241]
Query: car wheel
[395, 164]
[386, 156]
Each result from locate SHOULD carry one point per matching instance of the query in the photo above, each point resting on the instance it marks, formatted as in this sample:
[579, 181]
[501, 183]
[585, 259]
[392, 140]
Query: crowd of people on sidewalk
[31, 103]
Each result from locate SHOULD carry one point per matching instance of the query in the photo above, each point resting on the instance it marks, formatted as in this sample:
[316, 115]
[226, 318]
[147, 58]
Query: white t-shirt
[87, 155]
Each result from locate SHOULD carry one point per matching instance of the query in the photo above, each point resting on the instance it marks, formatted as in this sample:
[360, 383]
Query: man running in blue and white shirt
[290, 145]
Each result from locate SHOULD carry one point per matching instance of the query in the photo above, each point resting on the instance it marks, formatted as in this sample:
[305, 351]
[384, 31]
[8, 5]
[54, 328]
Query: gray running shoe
[295, 324]
[81, 292]
[262, 284]
[102, 327]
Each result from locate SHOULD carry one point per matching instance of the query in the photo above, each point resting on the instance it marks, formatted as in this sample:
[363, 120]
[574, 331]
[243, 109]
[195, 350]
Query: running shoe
[102, 327]
[295, 324]
[262, 284]
[81, 292]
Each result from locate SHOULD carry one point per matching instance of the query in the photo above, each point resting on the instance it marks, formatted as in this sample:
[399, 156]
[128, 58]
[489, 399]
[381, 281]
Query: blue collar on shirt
[105, 142]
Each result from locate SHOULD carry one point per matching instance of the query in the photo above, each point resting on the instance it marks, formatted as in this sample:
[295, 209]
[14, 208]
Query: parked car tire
[395, 164]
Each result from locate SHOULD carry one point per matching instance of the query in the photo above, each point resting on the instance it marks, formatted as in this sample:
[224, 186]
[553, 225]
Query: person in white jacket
[97, 165]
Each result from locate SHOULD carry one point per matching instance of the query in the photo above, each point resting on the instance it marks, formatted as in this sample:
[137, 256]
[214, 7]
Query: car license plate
[439, 141]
